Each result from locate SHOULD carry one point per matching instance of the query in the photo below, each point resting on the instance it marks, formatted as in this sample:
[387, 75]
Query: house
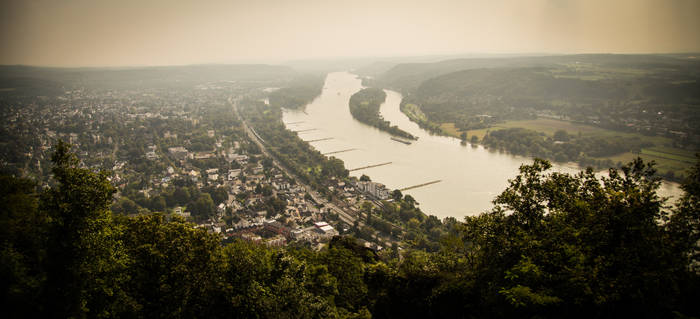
[180, 212]
[251, 237]
[276, 241]
[233, 173]
[325, 231]
[276, 227]
[375, 189]
[179, 153]
[203, 155]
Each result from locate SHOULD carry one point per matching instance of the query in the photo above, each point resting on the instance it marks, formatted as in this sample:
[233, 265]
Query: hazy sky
[162, 32]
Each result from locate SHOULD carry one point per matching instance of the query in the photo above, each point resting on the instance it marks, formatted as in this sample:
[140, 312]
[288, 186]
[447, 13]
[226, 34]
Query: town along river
[470, 176]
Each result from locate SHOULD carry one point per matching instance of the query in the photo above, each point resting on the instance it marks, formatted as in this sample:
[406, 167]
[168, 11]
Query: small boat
[400, 140]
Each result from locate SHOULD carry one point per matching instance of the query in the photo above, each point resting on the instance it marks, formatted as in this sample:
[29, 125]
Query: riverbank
[470, 176]
[672, 162]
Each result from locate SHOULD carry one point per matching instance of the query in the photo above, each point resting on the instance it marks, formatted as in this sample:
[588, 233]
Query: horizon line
[286, 62]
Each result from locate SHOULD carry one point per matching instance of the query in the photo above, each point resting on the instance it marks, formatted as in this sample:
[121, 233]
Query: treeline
[364, 107]
[563, 147]
[302, 91]
[555, 245]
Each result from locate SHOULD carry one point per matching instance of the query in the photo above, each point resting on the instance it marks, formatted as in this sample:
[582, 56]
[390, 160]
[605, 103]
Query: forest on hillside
[646, 102]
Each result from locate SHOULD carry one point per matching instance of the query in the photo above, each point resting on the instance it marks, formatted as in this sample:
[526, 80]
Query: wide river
[471, 176]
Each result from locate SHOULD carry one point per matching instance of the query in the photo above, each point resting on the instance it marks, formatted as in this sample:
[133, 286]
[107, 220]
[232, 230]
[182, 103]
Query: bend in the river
[470, 176]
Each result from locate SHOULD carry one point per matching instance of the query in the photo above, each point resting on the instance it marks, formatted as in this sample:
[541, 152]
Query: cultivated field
[667, 157]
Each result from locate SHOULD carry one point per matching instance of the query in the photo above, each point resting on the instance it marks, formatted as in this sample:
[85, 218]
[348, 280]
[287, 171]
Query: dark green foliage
[555, 245]
[684, 224]
[22, 240]
[202, 208]
[218, 194]
[364, 106]
[125, 206]
[563, 147]
[169, 267]
[201, 143]
[83, 253]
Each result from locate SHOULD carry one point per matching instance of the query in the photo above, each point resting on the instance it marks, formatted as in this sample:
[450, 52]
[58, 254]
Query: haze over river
[471, 175]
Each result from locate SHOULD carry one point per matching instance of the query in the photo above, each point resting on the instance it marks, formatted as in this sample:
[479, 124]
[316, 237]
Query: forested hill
[554, 245]
[364, 106]
[408, 76]
[501, 91]
[647, 103]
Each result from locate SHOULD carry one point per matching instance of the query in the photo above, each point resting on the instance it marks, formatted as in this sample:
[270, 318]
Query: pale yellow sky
[165, 32]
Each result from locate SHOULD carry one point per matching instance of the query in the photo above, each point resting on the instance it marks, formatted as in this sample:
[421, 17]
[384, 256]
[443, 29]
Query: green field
[450, 129]
[667, 157]
[663, 164]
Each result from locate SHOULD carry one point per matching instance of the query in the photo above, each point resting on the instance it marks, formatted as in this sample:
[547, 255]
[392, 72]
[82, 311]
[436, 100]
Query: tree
[125, 206]
[84, 257]
[158, 204]
[267, 162]
[561, 242]
[181, 195]
[218, 194]
[344, 260]
[202, 208]
[561, 135]
[173, 267]
[684, 224]
[22, 242]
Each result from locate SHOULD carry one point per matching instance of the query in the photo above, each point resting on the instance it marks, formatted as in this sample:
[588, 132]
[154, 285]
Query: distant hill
[408, 76]
[654, 98]
[51, 79]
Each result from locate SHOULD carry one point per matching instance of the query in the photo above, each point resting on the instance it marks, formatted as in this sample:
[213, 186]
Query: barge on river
[400, 140]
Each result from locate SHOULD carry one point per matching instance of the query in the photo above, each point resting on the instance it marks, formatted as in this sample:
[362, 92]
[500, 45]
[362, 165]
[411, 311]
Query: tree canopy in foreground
[554, 245]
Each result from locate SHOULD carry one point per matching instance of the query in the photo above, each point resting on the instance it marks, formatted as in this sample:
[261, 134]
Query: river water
[471, 176]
